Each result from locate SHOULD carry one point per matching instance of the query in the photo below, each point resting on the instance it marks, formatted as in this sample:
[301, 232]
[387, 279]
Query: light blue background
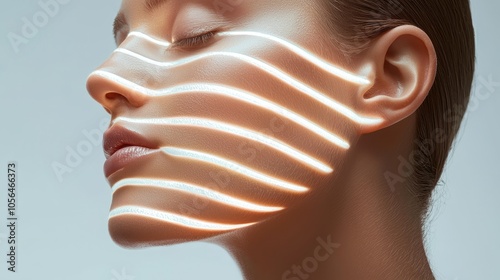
[44, 108]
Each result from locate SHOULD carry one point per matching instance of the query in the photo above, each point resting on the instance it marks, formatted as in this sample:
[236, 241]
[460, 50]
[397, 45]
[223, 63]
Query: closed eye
[195, 41]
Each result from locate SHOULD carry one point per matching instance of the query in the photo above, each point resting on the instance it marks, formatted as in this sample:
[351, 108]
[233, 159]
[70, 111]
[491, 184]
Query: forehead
[223, 6]
[268, 12]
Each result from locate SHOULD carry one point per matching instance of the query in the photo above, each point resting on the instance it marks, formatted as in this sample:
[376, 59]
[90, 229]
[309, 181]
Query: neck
[358, 229]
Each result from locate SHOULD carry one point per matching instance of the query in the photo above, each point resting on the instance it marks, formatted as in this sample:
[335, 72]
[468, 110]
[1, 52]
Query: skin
[373, 232]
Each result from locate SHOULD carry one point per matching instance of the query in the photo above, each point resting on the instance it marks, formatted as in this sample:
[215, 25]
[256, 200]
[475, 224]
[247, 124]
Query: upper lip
[118, 137]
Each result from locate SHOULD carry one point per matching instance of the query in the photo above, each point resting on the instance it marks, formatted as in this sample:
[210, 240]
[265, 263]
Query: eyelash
[195, 41]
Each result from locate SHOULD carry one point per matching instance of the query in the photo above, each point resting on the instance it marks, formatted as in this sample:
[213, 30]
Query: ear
[403, 62]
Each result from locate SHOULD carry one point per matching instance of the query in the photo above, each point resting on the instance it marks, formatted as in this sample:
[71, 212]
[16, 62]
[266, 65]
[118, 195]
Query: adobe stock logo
[321, 253]
[76, 154]
[31, 26]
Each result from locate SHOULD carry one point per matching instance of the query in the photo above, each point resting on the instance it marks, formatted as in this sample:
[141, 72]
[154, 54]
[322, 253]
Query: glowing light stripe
[267, 68]
[120, 80]
[328, 67]
[141, 35]
[236, 94]
[238, 131]
[172, 218]
[246, 171]
[196, 190]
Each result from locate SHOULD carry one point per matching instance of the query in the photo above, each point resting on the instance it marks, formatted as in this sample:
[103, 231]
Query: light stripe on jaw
[233, 166]
[196, 190]
[168, 217]
[238, 131]
[309, 91]
[233, 93]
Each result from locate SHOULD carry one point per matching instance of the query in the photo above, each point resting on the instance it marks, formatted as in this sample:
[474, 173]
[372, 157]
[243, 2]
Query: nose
[114, 92]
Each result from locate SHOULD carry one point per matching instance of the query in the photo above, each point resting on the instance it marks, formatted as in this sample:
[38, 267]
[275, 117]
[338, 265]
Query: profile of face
[223, 116]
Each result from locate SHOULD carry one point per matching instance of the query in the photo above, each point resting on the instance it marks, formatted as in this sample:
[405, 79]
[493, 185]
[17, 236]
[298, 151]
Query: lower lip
[123, 157]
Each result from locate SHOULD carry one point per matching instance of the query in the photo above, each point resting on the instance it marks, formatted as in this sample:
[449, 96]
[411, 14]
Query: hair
[448, 23]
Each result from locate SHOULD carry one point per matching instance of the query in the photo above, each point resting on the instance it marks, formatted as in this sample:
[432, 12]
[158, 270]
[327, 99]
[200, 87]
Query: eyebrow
[118, 24]
[149, 6]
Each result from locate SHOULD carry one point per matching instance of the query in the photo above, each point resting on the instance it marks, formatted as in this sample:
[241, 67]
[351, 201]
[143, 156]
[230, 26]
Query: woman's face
[225, 113]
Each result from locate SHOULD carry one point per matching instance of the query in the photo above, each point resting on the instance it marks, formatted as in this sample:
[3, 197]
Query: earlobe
[403, 61]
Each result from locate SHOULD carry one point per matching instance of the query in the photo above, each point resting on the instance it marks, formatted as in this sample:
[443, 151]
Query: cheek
[245, 132]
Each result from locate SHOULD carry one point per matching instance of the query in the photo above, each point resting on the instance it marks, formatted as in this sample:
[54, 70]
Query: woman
[305, 138]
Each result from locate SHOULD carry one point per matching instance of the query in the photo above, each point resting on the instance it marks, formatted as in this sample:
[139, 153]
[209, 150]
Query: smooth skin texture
[348, 224]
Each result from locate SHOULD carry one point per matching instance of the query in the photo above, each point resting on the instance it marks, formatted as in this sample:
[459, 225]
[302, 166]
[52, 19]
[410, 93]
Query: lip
[122, 146]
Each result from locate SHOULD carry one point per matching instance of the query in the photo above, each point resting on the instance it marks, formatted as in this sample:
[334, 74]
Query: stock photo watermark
[482, 90]
[309, 265]
[76, 154]
[32, 25]
[121, 275]
[12, 216]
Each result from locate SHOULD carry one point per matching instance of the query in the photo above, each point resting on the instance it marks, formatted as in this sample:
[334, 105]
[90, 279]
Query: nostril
[114, 97]
[112, 100]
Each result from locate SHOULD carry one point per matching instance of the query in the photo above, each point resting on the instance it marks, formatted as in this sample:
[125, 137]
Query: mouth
[122, 146]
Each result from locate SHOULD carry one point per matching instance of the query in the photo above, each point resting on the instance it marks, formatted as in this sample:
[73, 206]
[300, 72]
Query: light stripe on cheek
[235, 130]
[235, 94]
[290, 152]
[239, 168]
[311, 92]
